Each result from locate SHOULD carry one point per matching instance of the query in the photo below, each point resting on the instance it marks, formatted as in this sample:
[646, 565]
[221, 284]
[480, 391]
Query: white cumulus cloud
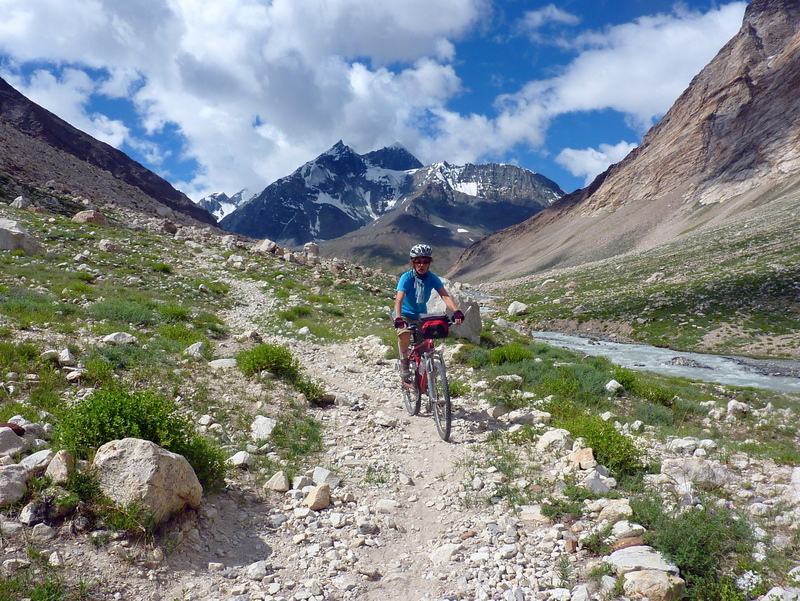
[251, 89]
[590, 162]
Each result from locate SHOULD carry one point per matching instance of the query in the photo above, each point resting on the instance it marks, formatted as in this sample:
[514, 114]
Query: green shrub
[638, 385]
[17, 357]
[313, 391]
[509, 353]
[295, 313]
[209, 323]
[458, 388]
[161, 267]
[297, 435]
[26, 307]
[273, 358]
[611, 448]
[113, 414]
[172, 312]
[334, 310]
[123, 311]
[122, 356]
[699, 540]
[475, 357]
[653, 414]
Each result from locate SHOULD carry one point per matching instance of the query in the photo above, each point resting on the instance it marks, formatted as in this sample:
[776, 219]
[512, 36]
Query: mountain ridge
[373, 207]
[24, 160]
[725, 143]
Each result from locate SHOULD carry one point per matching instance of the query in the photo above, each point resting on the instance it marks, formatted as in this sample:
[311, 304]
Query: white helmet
[420, 250]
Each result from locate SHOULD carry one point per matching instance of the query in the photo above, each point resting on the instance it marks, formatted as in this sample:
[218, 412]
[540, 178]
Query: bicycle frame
[428, 378]
[420, 354]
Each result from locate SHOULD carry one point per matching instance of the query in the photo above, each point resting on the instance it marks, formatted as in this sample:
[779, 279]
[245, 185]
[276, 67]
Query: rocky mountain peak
[394, 157]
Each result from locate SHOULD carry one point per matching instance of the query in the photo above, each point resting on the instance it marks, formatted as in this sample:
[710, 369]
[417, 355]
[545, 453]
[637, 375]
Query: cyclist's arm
[398, 303]
[448, 300]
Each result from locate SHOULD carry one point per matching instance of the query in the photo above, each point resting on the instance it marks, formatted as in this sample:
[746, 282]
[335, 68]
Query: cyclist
[413, 292]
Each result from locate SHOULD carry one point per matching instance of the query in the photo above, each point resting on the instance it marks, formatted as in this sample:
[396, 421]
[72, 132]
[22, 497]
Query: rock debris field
[392, 512]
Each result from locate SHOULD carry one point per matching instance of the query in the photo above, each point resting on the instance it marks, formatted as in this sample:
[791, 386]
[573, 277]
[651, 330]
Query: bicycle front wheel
[439, 394]
[412, 395]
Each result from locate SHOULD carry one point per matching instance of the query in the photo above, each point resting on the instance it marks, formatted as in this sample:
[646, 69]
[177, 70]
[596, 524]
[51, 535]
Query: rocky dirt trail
[401, 478]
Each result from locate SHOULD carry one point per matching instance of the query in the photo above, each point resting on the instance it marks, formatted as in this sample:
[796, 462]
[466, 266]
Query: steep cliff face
[728, 138]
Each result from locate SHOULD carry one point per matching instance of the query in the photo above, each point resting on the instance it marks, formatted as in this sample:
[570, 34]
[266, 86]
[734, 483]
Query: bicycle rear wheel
[439, 393]
[412, 395]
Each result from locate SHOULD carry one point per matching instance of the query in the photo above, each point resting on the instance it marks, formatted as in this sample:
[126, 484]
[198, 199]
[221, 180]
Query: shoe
[405, 370]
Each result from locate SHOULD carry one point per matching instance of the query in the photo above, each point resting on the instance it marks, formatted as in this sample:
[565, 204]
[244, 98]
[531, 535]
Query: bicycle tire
[439, 393]
[412, 395]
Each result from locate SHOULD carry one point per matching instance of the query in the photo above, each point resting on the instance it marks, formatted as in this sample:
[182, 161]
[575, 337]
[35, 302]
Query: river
[733, 371]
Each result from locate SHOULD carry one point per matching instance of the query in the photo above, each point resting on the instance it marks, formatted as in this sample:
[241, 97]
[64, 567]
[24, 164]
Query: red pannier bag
[434, 326]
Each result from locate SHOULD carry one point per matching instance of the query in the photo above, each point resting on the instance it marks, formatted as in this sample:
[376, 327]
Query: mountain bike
[428, 375]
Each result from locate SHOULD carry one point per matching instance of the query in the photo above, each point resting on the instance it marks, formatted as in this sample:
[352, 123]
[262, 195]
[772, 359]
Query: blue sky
[220, 95]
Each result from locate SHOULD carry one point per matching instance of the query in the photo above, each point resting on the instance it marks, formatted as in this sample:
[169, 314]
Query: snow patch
[470, 188]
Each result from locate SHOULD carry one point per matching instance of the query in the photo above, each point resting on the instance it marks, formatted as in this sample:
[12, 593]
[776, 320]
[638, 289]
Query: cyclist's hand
[399, 322]
[458, 317]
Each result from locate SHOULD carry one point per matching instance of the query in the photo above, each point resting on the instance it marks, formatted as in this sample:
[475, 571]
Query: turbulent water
[732, 371]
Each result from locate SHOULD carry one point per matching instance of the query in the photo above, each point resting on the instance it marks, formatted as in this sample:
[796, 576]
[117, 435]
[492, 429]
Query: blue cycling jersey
[418, 292]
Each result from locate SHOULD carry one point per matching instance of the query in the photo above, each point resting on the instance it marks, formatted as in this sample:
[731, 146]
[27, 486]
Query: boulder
[319, 497]
[698, 472]
[61, 466]
[13, 484]
[91, 216]
[20, 202]
[583, 459]
[653, 585]
[517, 308]
[12, 443]
[793, 490]
[279, 482]
[472, 325]
[13, 236]
[262, 427]
[556, 439]
[638, 558]
[37, 462]
[265, 246]
[120, 338]
[133, 471]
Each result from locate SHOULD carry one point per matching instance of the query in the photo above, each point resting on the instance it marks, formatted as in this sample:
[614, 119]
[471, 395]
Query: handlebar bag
[435, 326]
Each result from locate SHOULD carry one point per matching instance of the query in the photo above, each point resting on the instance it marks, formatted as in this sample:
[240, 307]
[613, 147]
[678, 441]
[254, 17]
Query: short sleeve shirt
[411, 308]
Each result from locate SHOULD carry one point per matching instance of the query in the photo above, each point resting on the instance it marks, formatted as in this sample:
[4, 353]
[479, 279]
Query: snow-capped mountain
[328, 197]
[449, 207]
[220, 204]
[342, 193]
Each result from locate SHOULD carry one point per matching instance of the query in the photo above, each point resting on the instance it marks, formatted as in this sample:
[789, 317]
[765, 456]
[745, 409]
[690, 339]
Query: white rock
[701, 473]
[556, 439]
[133, 471]
[279, 482]
[120, 338]
[13, 482]
[444, 553]
[640, 557]
[655, 585]
[262, 427]
[242, 459]
[517, 308]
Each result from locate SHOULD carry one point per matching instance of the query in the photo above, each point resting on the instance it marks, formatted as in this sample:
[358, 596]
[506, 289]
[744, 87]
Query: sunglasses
[421, 261]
